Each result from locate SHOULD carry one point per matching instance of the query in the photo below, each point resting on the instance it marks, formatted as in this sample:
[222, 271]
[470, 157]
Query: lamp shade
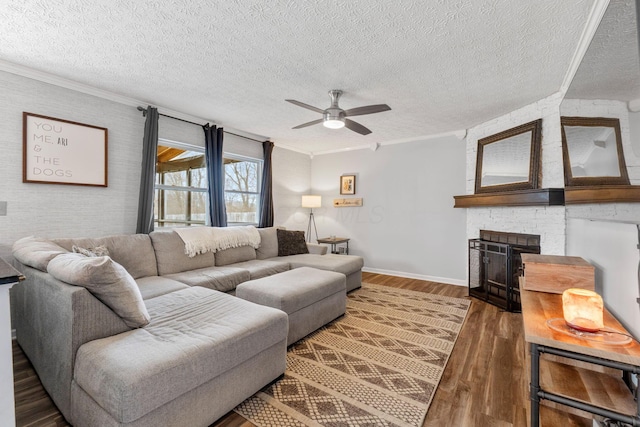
[311, 201]
[583, 309]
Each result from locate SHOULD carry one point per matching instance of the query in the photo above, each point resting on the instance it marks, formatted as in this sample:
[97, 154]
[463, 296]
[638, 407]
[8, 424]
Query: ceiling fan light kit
[335, 117]
[333, 123]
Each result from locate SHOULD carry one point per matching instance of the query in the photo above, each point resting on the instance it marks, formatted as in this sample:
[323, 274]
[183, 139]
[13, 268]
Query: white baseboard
[446, 280]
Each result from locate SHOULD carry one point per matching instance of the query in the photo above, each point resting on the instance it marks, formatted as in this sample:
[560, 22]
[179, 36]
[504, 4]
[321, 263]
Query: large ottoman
[310, 297]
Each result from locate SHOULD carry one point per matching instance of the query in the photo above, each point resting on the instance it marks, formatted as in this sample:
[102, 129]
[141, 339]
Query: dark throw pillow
[291, 243]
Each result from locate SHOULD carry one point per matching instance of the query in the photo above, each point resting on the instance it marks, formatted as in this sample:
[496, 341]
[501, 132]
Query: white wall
[407, 225]
[52, 210]
[291, 178]
[634, 130]
[612, 248]
[629, 132]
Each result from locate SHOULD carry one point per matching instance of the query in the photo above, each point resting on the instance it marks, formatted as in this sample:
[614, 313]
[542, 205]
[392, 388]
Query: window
[242, 189]
[181, 190]
[181, 185]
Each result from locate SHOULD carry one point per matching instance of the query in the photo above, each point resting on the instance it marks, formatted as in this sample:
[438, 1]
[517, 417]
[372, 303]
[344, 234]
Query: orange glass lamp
[583, 309]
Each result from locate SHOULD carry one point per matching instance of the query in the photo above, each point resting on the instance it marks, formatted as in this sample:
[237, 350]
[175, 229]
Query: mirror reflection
[506, 161]
[592, 151]
[509, 160]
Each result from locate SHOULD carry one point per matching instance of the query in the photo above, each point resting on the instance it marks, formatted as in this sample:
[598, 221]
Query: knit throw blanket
[198, 240]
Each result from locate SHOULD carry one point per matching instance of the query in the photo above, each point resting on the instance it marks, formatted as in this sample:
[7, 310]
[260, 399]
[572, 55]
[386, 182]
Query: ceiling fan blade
[303, 105]
[367, 109]
[356, 127]
[304, 125]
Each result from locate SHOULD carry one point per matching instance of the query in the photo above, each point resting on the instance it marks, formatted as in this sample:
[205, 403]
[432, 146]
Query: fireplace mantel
[537, 197]
[552, 196]
[602, 194]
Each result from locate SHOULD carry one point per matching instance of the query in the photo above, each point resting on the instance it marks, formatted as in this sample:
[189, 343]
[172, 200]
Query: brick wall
[550, 222]
[605, 108]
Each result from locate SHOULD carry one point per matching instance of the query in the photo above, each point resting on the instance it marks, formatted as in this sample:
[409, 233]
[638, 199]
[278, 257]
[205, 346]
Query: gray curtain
[215, 175]
[266, 194]
[148, 175]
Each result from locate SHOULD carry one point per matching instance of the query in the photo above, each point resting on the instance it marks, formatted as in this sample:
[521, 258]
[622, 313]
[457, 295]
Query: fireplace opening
[495, 266]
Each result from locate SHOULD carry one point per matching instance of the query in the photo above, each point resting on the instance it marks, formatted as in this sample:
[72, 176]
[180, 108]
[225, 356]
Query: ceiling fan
[335, 117]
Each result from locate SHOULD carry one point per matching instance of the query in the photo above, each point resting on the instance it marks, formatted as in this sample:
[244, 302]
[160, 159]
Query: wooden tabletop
[334, 240]
[538, 307]
[8, 274]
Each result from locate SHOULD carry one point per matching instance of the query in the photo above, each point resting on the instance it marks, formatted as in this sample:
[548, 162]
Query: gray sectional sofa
[203, 350]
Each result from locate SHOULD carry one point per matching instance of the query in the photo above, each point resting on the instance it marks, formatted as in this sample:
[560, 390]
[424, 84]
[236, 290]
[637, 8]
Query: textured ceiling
[610, 67]
[441, 65]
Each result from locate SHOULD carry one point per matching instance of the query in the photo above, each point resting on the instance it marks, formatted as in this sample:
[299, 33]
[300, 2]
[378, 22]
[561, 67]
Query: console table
[9, 276]
[334, 242]
[577, 384]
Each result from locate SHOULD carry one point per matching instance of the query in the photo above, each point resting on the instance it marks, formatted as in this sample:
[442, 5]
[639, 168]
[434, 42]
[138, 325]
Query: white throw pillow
[106, 280]
[36, 252]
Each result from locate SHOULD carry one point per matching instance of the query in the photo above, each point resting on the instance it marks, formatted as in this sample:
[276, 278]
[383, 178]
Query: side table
[575, 386]
[9, 276]
[334, 242]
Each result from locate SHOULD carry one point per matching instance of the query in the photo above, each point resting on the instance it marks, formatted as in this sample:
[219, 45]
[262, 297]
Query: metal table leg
[534, 387]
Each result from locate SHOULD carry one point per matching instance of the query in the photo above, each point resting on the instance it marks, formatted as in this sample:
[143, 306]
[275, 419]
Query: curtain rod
[144, 113]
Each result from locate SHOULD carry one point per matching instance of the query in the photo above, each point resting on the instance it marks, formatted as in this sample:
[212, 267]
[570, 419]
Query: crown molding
[373, 146]
[55, 80]
[295, 149]
[595, 16]
[634, 105]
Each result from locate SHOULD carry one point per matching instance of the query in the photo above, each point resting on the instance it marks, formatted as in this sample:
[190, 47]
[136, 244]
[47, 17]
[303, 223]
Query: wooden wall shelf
[602, 194]
[538, 197]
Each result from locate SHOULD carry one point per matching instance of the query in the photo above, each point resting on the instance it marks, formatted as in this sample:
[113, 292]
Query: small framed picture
[348, 184]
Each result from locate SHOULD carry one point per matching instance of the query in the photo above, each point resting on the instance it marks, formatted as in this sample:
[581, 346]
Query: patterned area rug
[379, 365]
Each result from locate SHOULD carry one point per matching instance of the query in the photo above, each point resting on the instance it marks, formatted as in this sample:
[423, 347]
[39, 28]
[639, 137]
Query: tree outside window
[181, 196]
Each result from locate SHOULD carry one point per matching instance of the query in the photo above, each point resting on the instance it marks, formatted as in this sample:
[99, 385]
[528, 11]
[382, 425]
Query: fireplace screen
[495, 266]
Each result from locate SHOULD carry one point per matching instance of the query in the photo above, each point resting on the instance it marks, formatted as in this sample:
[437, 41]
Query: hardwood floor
[484, 383]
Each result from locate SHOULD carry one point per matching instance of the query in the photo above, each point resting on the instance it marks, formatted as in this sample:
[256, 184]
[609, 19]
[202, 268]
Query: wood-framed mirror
[509, 160]
[592, 152]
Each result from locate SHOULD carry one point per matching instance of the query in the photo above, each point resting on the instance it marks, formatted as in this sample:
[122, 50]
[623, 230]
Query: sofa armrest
[52, 320]
[317, 249]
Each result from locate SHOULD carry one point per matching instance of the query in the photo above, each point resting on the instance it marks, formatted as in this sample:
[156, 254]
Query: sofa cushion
[106, 280]
[133, 251]
[171, 257]
[293, 290]
[222, 279]
[36, 252]
[345, 264]
[262, 268]
[291, 242]
[233, 255]
[268, 243]
[195, 335]
[154, 286]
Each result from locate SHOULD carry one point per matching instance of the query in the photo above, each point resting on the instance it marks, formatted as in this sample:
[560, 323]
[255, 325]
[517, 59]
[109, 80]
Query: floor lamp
[310, 201]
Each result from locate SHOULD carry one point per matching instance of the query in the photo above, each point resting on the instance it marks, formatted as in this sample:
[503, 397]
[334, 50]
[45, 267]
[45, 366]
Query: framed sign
[59, 151]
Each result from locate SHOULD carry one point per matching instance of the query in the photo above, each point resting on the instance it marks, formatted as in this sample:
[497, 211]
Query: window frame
[162, 187]
[259, 170]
